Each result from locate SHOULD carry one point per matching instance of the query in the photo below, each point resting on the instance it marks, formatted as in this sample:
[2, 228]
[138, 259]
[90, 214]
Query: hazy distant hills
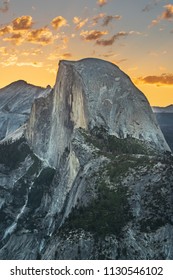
[167, 109]
[164, 117]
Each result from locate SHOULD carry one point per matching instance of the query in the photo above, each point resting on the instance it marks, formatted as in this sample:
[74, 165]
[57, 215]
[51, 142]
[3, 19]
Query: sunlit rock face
[91, 176]
[15, 105]
[89, 93]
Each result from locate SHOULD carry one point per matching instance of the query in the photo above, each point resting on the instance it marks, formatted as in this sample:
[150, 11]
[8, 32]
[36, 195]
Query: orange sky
[137, 36]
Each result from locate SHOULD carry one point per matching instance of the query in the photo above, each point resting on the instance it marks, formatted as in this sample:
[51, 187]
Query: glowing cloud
[79, 22]
[109, 42]
[66, 55]
[92, 35]
[16, 39]
[101, 3]
[22, 23]
[5, 30]
[33, 64]
[41, 36]
[58, 22]
[164, 79]
[166, 15]
[11, 60]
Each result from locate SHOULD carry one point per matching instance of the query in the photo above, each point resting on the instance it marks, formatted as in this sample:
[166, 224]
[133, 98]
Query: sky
[136, 35]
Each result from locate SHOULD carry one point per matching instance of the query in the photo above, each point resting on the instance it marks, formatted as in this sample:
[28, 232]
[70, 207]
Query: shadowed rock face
[92, 180]
[89, 93]
[15, 105]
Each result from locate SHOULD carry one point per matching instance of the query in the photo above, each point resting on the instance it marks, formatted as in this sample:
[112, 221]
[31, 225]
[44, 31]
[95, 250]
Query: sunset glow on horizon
[135, 35]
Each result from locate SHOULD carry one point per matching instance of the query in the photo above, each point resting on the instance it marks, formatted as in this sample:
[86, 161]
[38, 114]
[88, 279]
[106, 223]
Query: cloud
[66, 55]
[11, 60]
[97, 18]
[108, 19]
[101, 3]
[92, 35]
[5, 30]
[3, 51]
[22, 23]
[5, 6]
[33, 64]
[58, 22]
[119, 61]
[150, 6]
[109, 42]
[42, 36]
[109, 54]
[16, 39]
[79, 22]
[164, 79]
[166, 15]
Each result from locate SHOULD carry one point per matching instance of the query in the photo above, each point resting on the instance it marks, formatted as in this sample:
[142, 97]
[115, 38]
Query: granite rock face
[91, 177]
[15, 105]
[89, 93]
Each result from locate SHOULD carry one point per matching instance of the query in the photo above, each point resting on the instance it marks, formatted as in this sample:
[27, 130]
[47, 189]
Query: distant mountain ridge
[15, 105]
[167, 109]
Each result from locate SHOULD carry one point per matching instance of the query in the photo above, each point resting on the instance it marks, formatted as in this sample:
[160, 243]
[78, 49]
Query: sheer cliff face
[91, 181]
[93, 93]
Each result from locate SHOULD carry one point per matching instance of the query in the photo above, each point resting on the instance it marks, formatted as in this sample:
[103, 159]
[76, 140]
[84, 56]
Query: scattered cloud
[5, 6]
[42, 36]
[151, 5]
[92, 35]
[58, 22]
[165, 79]
[109, 54]
[22, 23]
[66, 55]
[3, 51]
[97, 18]
[16, 39]
[5, 30]
[132, 32]
[101, 3]
[79, 22]
[33, 64]
[119, 61]
[109, 42]
[108, 19]
[11, 60]
[167, 14]
[31, 52]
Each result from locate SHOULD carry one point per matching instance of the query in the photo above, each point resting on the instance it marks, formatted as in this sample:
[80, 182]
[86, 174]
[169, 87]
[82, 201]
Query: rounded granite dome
[111, 100]
[93, 93]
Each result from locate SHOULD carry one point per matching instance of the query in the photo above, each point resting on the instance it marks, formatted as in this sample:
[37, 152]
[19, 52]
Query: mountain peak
[94, 93]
